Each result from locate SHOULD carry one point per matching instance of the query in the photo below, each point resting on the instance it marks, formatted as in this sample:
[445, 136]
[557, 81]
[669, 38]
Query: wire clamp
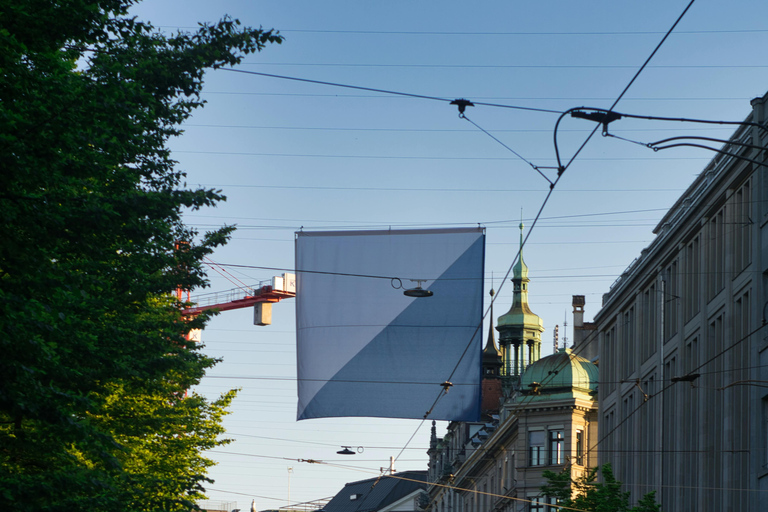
[690, 377]
[462, 104]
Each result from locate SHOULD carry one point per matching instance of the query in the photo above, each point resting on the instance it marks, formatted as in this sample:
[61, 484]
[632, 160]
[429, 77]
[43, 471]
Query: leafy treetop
[588, 494]
[95, 361]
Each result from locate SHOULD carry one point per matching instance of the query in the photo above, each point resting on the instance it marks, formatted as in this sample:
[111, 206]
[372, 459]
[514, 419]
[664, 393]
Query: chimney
[578, 313]
[578, 319]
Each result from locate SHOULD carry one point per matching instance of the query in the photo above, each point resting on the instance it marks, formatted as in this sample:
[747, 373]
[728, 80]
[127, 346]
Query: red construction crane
[260, 296]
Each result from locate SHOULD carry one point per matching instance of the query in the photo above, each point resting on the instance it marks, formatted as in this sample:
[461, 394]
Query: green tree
[586, 493]
[94, 361]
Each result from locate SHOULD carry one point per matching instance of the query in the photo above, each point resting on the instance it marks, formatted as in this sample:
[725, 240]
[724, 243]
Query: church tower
[519, 329]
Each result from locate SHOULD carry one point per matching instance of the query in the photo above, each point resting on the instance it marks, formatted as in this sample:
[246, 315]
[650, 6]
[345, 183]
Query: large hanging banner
[366, 349]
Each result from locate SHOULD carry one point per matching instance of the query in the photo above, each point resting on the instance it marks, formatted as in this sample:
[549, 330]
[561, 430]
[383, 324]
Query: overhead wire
[500, 33]
[416, 189]
[638, 450]
[317, 443]
[497, 224]
[608, 116]
[533, 166]
[244, 494]
[680, 119]
[484, 223]
[411, 157]
[383, 91]
[523, 33]
[399, 477]
[506, 276]
[675, 381]
[226, 275]
[504, 66]
[576, 352]
[417, 130]
[562, 168]
[618, 99]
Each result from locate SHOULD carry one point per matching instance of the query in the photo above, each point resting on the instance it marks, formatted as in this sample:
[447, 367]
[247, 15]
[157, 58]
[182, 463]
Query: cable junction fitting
[685, 378]
[603, 117]
[462, 104]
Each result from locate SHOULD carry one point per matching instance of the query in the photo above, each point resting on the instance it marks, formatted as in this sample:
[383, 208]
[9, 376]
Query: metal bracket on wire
[462, 104]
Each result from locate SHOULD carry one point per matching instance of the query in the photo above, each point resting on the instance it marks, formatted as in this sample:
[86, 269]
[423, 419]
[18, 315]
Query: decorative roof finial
[520, 270]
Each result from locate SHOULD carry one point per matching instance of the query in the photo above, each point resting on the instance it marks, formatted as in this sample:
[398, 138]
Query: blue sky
[291, 154]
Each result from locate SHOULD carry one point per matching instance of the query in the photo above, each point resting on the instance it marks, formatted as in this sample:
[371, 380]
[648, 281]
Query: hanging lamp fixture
[418, 291]
[346, 450]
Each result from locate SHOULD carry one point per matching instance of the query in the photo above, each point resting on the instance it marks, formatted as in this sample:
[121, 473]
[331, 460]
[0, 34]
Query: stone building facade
[682, 343]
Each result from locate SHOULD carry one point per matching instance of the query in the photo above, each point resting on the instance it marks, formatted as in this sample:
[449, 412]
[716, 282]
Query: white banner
[366, 349]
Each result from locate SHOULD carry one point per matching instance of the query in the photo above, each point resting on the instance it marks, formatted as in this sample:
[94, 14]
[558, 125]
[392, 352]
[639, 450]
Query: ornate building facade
[539, 413]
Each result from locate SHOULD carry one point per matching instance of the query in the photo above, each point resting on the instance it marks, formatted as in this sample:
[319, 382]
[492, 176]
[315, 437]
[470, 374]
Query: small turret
[492, 390]
[492, 361]
[520, 328]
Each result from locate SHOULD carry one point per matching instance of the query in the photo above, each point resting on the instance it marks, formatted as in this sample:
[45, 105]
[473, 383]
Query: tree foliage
[589, 494]
[94, 361]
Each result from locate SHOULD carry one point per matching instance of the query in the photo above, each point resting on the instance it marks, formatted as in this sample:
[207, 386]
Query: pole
[290, 471]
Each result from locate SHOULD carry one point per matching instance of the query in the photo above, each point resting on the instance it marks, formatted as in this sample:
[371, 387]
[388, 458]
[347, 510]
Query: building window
[556, 445]
[628, 345]
[765, 433]
[671, 300]
[608, 361]
[580, 447]
[742, 243]
[648, 432]
[543, 504]
[538, 504]
[741, 318]
[511, 476]
[692, 279]
[536, 440]
[716, 254]
[650, 323]
[608, 444]
[627, 438]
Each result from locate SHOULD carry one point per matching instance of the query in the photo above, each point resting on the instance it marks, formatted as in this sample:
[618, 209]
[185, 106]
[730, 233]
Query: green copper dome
[560, 373]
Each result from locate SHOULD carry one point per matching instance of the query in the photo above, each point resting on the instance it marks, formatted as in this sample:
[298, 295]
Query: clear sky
[291, 154]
